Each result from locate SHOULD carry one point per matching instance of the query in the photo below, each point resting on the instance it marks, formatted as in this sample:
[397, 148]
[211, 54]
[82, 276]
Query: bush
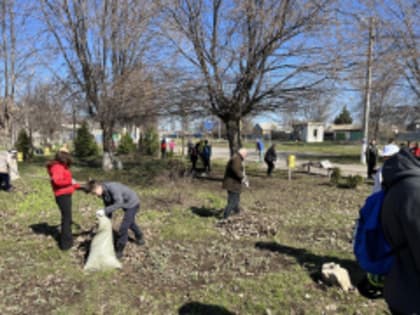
[354, 181]
[23, 144]
[149, 142]
[335, 175]
[85, 146]
[126, 145]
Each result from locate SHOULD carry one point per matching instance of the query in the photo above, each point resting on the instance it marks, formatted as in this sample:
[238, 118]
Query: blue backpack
[372, 251]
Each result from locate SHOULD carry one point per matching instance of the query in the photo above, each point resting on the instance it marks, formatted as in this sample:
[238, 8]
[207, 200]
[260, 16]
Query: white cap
[390, 150]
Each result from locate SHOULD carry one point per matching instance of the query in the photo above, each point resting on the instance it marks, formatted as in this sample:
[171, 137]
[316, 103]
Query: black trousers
[66, 238]
[371, 168]
[270, 167]
[194, 164]
[5, 181]
[128, 222]
[233, 203]
[207, 167]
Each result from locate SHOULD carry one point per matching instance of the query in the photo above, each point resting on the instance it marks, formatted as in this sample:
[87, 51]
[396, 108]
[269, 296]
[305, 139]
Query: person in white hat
[388, 151]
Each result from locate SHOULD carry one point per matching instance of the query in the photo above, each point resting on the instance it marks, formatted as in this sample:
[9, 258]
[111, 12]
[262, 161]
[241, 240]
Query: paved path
[347, 169]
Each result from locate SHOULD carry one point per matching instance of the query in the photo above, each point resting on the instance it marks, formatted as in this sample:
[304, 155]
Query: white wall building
[309, 132]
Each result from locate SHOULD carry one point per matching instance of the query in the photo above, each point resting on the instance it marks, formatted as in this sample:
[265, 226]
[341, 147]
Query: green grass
[267, 258]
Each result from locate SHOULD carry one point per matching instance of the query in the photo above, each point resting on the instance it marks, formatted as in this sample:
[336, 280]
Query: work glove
[245, 182]
[100, 213]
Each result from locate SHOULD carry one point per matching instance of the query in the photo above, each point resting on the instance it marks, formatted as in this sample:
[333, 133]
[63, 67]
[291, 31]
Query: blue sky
[31, 36]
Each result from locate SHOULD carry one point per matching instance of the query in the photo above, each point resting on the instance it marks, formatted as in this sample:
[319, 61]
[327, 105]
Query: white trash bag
[102, 253]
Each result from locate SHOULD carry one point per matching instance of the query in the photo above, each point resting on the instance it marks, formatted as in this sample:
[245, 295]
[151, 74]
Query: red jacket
[61, 179]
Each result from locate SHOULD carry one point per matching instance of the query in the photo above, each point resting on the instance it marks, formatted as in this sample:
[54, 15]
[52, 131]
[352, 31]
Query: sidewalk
[346, 169]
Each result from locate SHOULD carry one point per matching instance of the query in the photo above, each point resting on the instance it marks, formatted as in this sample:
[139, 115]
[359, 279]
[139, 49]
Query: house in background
[310, 132]
[265, 129]
[344, 133]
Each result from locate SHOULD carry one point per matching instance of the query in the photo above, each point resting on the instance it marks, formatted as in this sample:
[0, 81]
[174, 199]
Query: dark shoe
[139, 241]
[119, 253]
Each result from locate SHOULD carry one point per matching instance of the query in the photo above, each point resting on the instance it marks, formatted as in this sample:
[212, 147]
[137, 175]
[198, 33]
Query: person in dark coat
[206, 156]
[233, 180]
[163, 148]
[118, 196]
[371, 158]
[193, 158]
[400, 217]
[63, 185]
[270, 158]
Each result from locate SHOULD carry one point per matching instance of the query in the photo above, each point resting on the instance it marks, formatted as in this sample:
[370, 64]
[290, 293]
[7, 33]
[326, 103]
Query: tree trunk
[107, 161]
[234, 135]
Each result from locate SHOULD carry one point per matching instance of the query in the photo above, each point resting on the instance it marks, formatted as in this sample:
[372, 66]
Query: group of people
[164, 147]
[201, 150]
[372, 153]
[114, 195]
[399, 178]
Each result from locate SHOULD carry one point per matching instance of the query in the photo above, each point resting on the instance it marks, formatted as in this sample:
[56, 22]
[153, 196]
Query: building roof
[348, 127]
[308, 123]
[268, 126]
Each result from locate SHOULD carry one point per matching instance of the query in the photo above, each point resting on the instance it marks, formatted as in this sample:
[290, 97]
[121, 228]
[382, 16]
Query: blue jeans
[233, 203]
[128, 222]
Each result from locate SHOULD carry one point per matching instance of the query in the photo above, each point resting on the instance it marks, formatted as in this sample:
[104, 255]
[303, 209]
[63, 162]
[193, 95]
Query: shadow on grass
[313, 263]
[206, 212]
[47, 230]
[207, 177]
[196, 308]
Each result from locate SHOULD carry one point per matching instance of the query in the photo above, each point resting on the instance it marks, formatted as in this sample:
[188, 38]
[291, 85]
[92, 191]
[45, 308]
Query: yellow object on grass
[291, 161]
[20, 156]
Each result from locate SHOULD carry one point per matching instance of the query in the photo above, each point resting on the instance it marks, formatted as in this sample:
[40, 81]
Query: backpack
[373, 253]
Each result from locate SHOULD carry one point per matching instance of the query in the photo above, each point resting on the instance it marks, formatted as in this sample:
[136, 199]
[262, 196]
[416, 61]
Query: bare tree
[252, 56]
[103, 45]
[317, 109]
[41, 110]
[401, 22]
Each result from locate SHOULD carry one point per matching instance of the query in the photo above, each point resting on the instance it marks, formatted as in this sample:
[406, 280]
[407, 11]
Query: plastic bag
[102, 253]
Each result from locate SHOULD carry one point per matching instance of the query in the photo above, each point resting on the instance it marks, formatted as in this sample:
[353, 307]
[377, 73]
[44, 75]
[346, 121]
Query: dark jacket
[116, 196]
[401, 224]
[234, 174]
[270, 155]
[372, 154]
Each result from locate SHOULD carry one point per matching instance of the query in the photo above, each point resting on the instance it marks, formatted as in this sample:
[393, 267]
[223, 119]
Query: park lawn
[324, 148]
[266, 260]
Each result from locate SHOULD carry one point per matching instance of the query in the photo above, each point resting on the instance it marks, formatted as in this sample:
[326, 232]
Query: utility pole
[368, 89]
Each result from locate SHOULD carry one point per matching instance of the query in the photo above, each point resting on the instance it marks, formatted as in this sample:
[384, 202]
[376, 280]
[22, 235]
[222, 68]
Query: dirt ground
[266, 260]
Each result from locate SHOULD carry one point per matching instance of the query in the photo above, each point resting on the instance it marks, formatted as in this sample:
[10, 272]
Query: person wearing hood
[400, 218]
[63, 185]
[233, 180]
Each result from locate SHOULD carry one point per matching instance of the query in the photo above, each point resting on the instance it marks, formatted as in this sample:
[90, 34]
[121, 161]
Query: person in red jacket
[63, 186]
